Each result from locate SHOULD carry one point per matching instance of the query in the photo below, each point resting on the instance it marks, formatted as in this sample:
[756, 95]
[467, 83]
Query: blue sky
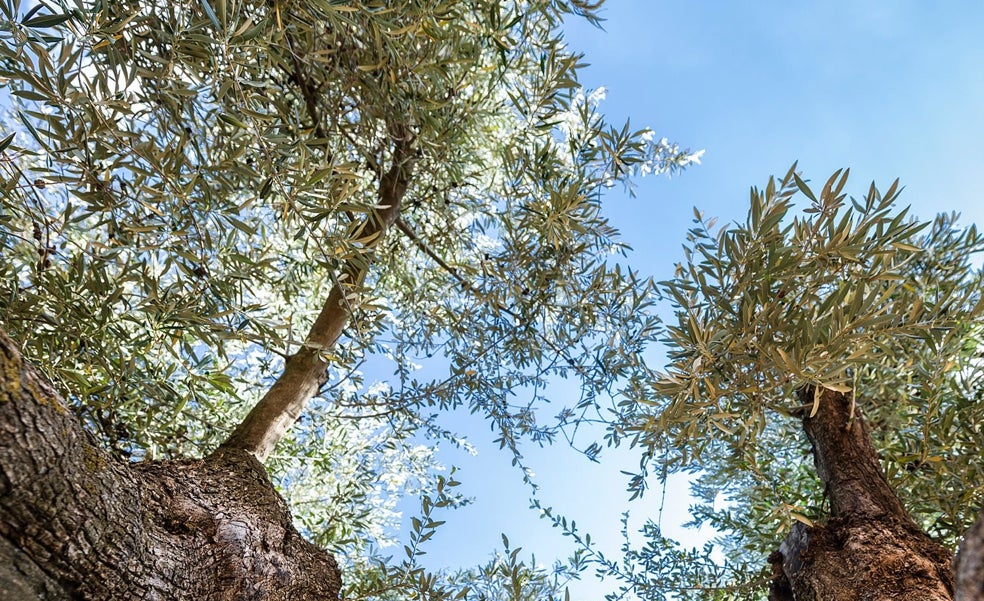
[889, 89]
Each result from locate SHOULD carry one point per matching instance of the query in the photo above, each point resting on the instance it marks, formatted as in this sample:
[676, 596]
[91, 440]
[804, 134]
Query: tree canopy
[185, 187]
[221, 221]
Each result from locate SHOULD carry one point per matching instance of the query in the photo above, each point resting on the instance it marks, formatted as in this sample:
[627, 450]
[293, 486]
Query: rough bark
[870, 549]
[969, 565]
[77, 523]
[304, 372]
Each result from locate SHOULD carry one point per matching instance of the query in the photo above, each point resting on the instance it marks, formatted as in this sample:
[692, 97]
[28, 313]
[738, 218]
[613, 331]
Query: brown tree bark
[870, 549]
[77, 523]
[969, 565]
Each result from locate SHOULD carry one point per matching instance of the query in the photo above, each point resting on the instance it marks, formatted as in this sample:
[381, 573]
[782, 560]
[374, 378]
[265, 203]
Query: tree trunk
[869, 549]
[77, 523]
[969, 565]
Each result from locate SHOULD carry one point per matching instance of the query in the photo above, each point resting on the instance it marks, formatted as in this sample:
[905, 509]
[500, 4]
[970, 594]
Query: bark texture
[969, 565]
[870, 549]
[77, 523]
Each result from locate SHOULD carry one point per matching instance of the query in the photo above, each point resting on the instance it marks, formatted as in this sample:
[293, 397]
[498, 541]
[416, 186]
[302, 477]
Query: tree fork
[304, 371]
[78, 523]
[870, 548]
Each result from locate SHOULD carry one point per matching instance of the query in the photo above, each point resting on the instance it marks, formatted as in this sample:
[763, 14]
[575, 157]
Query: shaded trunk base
[870, 549]
[212, 529]
[77, 523]
[853, 560]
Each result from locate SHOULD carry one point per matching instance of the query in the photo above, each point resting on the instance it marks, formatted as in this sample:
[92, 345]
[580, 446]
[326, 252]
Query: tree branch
[54, 480]
[474, 291]
[870, 547]
[424, 248]
[77, 523]
[304, 372]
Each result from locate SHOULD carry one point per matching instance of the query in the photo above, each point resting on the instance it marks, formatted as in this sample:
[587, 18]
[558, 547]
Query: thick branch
[76, 523]
[846, 462]
[869, 549]
[304, 371]
[45, 455]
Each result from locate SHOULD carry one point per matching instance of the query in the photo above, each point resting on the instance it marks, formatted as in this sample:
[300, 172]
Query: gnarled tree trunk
[869, 549]
[77, 523]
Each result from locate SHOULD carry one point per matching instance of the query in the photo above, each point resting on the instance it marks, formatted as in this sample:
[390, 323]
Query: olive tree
[823, 384]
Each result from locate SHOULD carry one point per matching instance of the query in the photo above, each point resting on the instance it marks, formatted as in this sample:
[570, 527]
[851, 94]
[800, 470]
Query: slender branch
[471, 289]
[305, 371]
[400, 223]
[310, 95]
